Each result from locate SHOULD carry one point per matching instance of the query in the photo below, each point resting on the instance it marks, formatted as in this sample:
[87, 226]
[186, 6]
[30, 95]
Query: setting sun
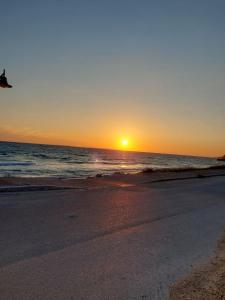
[124, 142]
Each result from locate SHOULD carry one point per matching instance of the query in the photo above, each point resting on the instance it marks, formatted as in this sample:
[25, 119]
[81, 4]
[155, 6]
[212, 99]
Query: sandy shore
[115, 180]
[114, 237]
[207, 283]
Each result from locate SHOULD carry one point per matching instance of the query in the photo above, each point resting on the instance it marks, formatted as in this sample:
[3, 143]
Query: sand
[207, 283]
[114, 237]
[116, 180]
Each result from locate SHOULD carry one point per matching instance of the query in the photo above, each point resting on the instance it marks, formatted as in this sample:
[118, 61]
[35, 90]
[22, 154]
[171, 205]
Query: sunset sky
[93, 73]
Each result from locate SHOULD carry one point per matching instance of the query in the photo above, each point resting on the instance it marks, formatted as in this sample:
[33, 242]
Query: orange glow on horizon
[125, 139]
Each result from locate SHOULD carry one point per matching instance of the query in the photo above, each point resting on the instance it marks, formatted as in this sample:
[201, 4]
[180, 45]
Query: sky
[91, 73]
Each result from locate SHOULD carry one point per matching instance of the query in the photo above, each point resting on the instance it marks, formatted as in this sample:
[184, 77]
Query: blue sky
[152, 70]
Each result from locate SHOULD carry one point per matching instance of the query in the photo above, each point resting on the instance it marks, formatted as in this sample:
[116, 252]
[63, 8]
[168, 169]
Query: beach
[112, 150]
[205, 283]
[110, 237]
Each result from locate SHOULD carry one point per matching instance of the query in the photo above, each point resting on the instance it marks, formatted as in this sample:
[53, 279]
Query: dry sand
[121, 237]
[207, 283]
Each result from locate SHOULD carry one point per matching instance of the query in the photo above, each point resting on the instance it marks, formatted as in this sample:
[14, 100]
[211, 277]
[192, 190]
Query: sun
[124, 142]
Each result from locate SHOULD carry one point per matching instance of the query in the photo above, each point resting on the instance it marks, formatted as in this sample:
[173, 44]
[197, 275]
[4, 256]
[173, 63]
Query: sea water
[32, 160]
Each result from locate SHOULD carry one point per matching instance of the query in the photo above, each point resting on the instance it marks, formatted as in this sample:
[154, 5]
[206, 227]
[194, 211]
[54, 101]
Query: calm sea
[28, 160]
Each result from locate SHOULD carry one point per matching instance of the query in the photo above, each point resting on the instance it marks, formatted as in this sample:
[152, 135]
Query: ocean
[32, 160]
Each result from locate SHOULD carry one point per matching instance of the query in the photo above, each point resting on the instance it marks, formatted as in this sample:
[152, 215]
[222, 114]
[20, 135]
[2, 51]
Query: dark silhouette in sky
[3, 81]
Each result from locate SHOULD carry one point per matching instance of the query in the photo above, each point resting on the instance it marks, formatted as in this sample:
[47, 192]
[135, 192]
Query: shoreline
[206, 282]
[148, 176]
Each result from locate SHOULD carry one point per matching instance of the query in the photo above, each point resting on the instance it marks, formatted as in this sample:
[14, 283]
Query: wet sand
[113, 237]
[115, 180]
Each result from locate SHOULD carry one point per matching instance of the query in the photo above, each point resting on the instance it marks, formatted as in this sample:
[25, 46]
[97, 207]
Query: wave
[42, 156]
[58, 157]
[15, 163]
[3, 153]
[127, 163]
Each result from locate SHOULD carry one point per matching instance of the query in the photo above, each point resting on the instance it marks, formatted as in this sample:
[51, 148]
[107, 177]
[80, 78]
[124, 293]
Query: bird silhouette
[3, 81]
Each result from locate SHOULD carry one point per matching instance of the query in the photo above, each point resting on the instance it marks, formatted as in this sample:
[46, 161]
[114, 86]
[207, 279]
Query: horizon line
[109, 149]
